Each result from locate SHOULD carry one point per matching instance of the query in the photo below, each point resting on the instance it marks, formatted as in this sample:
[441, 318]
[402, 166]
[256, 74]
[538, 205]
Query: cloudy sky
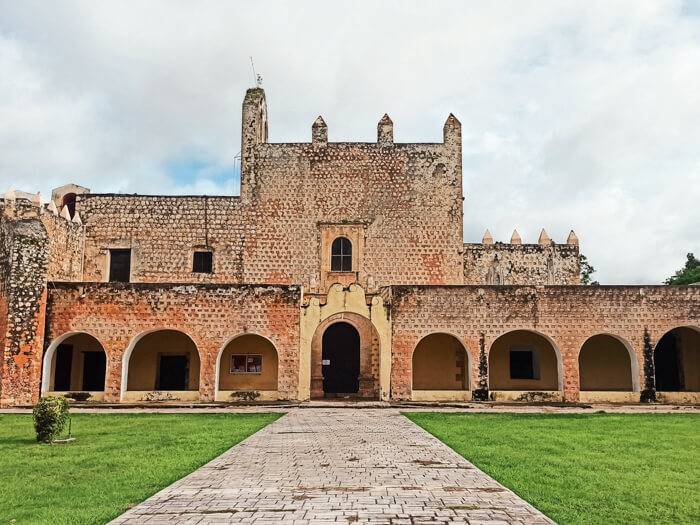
[576, 115]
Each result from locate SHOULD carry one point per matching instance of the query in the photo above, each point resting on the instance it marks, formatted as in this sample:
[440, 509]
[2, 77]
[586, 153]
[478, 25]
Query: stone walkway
[337, 466]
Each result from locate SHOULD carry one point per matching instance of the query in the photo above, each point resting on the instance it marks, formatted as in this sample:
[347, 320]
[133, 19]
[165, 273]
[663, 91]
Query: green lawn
[116, 461]
[592, 469]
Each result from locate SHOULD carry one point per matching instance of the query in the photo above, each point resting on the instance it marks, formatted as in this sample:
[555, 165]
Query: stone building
[340, 270]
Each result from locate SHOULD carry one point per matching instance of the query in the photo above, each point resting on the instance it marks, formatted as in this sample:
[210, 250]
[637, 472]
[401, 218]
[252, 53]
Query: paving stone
[354, 466]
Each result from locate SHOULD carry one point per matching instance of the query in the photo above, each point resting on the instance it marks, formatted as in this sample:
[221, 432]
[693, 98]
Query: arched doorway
[677, 361]
[161, 365]
[75, 363]
[69, 201]
[340, 363]
[328, 340]
[525, 361]
[247, 364]
[607, 363]
[440, 362]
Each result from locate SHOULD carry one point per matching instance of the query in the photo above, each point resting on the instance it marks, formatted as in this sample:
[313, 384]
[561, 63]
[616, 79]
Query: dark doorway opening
[173, 372]
[669, 377]
[94, 368]
[341, 359]
[64, 366]
[522, 364]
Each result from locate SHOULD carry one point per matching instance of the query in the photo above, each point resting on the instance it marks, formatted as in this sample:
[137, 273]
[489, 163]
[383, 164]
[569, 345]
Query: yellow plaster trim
[526, 395]
[341, 300]
[224, 396]
[441, 395]
[161, 395]
[678, 397]
[608, 397]
[94, 396]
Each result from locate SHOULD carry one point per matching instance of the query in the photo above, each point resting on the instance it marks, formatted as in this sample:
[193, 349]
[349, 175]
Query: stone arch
[369, 354]
[161, 360]
[69, 200]
[265, 383]
[677, 360]
[85, 365]
[608, 362]
[440, 361]
[507, 372]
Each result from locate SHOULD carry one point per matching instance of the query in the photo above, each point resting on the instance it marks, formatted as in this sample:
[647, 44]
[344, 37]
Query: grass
[116, 461]
[585, 469]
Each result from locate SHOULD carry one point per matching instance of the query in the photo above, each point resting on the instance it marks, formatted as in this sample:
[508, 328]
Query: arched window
[341, 255]
[69, 200]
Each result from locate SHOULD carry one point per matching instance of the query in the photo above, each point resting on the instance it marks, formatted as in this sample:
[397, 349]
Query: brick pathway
[341, 466]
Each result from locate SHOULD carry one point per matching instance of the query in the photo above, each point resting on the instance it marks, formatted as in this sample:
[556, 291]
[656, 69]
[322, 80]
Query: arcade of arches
[440, 362]
[677, 361]
[345, 363]
[165, 360]
[524, 361]
[605, 364]
[247, 363]
[78, 363]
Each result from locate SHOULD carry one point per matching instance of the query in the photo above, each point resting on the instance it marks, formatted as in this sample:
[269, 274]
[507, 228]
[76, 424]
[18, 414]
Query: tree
[689, 274]
[587, 271]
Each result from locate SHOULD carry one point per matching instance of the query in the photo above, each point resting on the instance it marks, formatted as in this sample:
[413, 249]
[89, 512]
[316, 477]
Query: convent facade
[339, 271]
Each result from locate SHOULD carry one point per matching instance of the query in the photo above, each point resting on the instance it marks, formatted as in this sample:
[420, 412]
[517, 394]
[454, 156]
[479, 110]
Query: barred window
[341, 255]
[246, 364]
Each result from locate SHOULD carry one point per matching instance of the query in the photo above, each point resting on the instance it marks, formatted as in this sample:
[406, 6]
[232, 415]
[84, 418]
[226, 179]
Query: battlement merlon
[515, 263]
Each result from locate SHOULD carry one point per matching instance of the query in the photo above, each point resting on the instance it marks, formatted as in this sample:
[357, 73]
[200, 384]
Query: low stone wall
[521, 264]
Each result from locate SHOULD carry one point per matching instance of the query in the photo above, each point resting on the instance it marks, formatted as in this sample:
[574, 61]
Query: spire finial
[515, 238]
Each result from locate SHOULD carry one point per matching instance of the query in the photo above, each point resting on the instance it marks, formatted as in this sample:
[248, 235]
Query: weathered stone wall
[209, 314]
[163, 232]
[568, 315]
[405, 198]
[23, 271]
[65, 250]
[521, 264]
[404, 201]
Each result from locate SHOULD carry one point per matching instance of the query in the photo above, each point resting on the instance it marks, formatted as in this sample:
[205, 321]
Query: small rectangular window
[522, 364]
[119, 266]
[246, 364]
[202, 262]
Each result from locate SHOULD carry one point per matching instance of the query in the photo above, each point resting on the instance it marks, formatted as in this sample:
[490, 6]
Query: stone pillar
[480, 391]
[253, 132]
[648, 394]
[23, 270]
[115, 350]
[570, 371]
[208, 355]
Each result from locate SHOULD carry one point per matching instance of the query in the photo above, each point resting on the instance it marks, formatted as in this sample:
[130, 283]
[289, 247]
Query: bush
[50, 415]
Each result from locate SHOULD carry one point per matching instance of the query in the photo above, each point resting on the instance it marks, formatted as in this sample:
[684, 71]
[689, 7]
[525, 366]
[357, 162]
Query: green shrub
[50, 415]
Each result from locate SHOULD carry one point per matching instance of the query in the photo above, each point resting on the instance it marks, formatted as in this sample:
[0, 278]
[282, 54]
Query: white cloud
[583, 116]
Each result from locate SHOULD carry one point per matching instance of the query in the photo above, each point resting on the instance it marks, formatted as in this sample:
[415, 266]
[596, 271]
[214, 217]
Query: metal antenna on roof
[256, 78]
